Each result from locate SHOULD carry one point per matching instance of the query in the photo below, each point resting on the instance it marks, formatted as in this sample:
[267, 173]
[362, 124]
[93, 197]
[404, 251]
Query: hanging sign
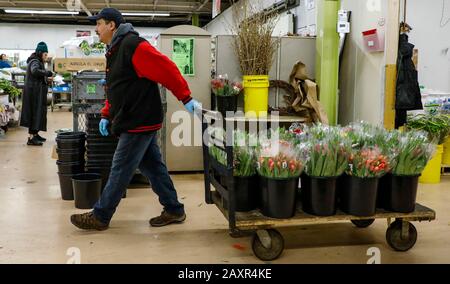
[183, 55]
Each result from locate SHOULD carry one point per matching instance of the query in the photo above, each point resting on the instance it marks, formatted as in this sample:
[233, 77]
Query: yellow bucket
[256, 95]
[432, 172]
[446, 154]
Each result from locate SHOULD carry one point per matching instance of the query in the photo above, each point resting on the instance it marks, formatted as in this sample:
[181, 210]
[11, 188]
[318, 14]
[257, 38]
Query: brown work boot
[167, 218]
[87, 221]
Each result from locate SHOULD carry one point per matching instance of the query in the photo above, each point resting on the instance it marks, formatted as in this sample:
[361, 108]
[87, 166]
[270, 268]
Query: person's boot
[40, 138]
[88, 221]
[34, 142]
[167, 218]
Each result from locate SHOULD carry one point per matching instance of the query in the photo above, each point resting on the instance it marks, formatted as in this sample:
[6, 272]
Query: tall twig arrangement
[253, 44]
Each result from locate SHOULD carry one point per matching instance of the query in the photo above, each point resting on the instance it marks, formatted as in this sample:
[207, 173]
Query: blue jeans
[137, 151]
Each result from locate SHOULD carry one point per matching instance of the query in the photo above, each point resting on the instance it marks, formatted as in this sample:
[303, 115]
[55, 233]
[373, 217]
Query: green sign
[183, 55]
[91, 88]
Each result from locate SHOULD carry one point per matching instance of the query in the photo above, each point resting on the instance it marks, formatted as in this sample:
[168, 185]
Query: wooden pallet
[254, 220]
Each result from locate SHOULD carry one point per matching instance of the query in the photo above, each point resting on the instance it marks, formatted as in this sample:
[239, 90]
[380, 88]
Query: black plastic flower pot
[279, 197]
[70, 167]
[99, 139]
[100, 157]
[98, 164]
[103, 172]
[102, 152]
[246, 193]
[65, 184]
[341, 183]
[359, 196]
[403, 193]
[384, 191]
[70, 144]
[66, 155]
[86, 188]
[71, 135]
[226, 103]
[319, 196]
[100, 147]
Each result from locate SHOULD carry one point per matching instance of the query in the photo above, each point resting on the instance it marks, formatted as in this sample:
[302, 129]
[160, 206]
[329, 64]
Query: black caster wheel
[270, 247]
[363, 223]
[395, 239]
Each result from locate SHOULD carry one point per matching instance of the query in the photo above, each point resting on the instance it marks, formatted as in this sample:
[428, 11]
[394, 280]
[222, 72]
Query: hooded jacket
[133, 70]
[408, 96]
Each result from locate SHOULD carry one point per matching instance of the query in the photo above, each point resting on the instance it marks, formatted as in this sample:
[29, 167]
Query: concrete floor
[35, 226]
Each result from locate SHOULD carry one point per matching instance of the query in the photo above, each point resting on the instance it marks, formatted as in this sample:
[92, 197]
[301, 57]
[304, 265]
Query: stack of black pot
[100, 149]
[71, 151]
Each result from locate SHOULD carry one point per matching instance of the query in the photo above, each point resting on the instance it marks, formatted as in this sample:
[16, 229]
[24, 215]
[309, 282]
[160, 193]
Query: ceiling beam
[155, 2]
[85, 9]
[107, 4]
[59, 2]
[202, 5]
[12, 3]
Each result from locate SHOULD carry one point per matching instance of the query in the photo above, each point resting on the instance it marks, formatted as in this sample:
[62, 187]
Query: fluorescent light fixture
[146, 14]
[13, 11]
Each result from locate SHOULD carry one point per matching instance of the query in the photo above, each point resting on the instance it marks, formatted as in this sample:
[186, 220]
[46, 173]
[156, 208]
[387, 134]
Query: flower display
[221, 86]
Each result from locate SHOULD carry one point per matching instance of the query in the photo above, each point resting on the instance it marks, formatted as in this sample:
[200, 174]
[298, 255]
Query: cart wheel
[395, 239]
[363, 223]
[271, 252]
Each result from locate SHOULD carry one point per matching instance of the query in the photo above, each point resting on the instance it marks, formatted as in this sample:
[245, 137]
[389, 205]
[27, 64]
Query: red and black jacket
[133, 70]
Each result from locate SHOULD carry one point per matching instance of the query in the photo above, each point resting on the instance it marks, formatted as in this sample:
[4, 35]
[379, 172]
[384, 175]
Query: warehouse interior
[350, 58]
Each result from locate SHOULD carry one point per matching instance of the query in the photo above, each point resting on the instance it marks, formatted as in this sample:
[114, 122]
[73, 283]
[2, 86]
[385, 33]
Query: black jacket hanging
[408, 95]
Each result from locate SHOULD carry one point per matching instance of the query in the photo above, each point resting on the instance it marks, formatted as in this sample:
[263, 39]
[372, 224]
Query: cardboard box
[79, 64]
[76, 52]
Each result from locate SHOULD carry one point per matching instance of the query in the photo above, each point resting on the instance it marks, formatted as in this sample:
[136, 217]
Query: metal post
[208, 197]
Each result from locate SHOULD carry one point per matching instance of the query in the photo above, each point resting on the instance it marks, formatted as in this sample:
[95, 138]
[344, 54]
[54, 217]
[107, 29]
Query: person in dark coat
[34, 106]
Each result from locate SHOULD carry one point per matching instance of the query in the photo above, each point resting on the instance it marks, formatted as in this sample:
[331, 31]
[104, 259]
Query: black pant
[32, 132]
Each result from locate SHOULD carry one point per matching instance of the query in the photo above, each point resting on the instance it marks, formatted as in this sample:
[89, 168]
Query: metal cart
[267, 243]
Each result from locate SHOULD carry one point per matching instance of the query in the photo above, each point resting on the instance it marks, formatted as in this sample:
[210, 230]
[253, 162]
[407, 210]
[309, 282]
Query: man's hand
[192, 105]
[102, 126]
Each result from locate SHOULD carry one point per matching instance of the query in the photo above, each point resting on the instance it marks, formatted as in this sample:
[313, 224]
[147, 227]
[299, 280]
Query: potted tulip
[328, 159]
[226, 94]
[244, 170]
[279, 165]
[414, 153]
[359, 193]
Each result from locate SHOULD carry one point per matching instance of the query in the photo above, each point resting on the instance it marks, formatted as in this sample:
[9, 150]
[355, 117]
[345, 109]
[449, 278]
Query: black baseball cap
[109, 14]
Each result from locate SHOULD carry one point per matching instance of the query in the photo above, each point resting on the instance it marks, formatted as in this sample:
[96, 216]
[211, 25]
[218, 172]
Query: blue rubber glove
[102, 82]
[192, 105]
[102, 127]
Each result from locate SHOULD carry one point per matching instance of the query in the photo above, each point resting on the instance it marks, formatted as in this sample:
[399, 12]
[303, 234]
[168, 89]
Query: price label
[91, 89]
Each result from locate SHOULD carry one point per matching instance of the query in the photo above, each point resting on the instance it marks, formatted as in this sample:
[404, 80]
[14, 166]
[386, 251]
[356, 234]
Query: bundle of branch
[253, 44]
